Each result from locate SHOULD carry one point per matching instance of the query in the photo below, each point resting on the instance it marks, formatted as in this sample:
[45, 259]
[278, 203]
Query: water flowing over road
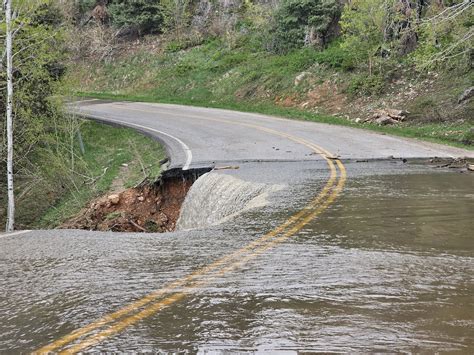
[307, 237]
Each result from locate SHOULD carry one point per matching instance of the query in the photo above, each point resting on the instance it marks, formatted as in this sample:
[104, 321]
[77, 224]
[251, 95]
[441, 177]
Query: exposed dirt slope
[151, 207]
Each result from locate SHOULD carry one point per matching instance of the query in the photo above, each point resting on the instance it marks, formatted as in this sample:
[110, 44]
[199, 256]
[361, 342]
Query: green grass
[238, 78]
[107, 149]
[443, 133]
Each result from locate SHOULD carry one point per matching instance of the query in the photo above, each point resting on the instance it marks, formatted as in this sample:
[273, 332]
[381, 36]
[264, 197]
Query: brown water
[389, 267]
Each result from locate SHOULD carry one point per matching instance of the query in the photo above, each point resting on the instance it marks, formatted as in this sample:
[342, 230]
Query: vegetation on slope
[53, 178]
[322, 60]
[114, 159]
[42, 155]
[315, 60]
[214, 75]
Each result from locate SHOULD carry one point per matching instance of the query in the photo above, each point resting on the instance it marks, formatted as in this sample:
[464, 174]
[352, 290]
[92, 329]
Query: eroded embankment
[151, 207]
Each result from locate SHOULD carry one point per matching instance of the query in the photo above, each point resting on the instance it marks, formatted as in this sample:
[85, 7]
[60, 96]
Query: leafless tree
[9, 113]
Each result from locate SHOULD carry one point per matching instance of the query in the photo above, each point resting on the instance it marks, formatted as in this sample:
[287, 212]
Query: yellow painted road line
[251, 125]
[156, 307]
[152, 296]
[116, 328]
[169, 288]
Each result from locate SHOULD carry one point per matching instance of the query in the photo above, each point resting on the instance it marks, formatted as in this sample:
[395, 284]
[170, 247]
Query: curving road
[200, 136]
[353, 250]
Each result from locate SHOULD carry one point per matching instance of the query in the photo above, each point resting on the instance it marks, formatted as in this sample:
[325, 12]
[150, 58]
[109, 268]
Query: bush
[303, 22]
[366, 85]
[191, 40]
[145, 16]
[83, 6]
[297, 61]
[337, 57]
[468, 137]
[175, 46]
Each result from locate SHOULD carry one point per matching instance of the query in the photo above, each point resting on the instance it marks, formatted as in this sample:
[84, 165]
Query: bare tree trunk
[9, 54]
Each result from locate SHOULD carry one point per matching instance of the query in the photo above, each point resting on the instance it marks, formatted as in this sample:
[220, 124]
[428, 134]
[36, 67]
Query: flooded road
[387, 267]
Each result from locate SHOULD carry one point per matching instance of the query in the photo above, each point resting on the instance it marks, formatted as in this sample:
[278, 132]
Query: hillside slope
[302, 84]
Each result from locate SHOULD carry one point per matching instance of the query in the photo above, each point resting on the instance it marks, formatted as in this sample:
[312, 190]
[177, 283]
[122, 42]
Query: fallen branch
[137, 226]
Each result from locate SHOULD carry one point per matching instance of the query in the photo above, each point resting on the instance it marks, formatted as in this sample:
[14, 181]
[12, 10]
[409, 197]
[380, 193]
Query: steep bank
[149, 207]
[114, 159]
[178, 200]
[304, 84]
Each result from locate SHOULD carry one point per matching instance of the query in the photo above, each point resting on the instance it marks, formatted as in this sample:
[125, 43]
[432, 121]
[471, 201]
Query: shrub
[468, 137]
[145, 16]
[366, 85]
[337, 57]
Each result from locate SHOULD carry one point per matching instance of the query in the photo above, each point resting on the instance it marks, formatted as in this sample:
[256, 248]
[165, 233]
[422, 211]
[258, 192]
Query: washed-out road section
[379, 260]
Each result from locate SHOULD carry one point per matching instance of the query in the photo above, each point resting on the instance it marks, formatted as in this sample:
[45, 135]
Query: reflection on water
[388, 268]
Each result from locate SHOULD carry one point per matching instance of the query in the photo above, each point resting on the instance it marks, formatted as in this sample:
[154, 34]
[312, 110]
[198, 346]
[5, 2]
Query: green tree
[446, 36]
[35, 63]
[362, 24]
[145, 16]
[304, 22]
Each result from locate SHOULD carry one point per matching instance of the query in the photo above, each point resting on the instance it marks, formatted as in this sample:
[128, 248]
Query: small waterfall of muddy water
[216, 197]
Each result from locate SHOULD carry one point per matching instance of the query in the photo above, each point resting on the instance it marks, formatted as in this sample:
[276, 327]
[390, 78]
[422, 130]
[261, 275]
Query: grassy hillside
[114, 159]
[304, 83]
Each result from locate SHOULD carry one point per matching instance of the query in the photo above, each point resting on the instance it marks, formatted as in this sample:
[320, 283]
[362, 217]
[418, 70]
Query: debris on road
[228, 167]
[453, 163]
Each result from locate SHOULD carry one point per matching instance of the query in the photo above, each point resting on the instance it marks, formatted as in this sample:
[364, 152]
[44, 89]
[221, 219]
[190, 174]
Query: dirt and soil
[150, 207]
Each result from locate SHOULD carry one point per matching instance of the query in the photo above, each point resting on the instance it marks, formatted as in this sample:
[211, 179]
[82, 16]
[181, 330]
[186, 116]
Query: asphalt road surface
[334, 239]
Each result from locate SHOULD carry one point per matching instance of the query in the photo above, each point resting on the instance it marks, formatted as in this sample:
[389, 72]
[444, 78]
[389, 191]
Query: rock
[158, 200]
[114, 199]
[398, 115]
[301, 77]
[385, 120]
[161, 219]
[470, 167]
[141, 198]
[388, 116]
[357, 120]
[466, 95]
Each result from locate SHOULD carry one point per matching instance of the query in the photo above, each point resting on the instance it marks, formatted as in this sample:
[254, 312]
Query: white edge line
[14, 233]
[187, 150]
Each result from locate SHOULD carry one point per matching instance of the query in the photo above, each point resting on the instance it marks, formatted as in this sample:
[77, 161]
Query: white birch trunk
[9, 54]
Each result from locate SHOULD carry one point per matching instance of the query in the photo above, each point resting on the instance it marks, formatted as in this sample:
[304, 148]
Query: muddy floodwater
[388, 267]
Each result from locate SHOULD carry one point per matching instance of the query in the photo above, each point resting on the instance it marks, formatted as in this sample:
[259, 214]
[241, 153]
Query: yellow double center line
[154, 302]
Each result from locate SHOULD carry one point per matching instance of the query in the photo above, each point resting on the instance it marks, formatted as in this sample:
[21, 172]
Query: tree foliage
[41, 149]
[379, 31]
[362, 23]
[146, 16]
[446, 36]
[304, 22]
